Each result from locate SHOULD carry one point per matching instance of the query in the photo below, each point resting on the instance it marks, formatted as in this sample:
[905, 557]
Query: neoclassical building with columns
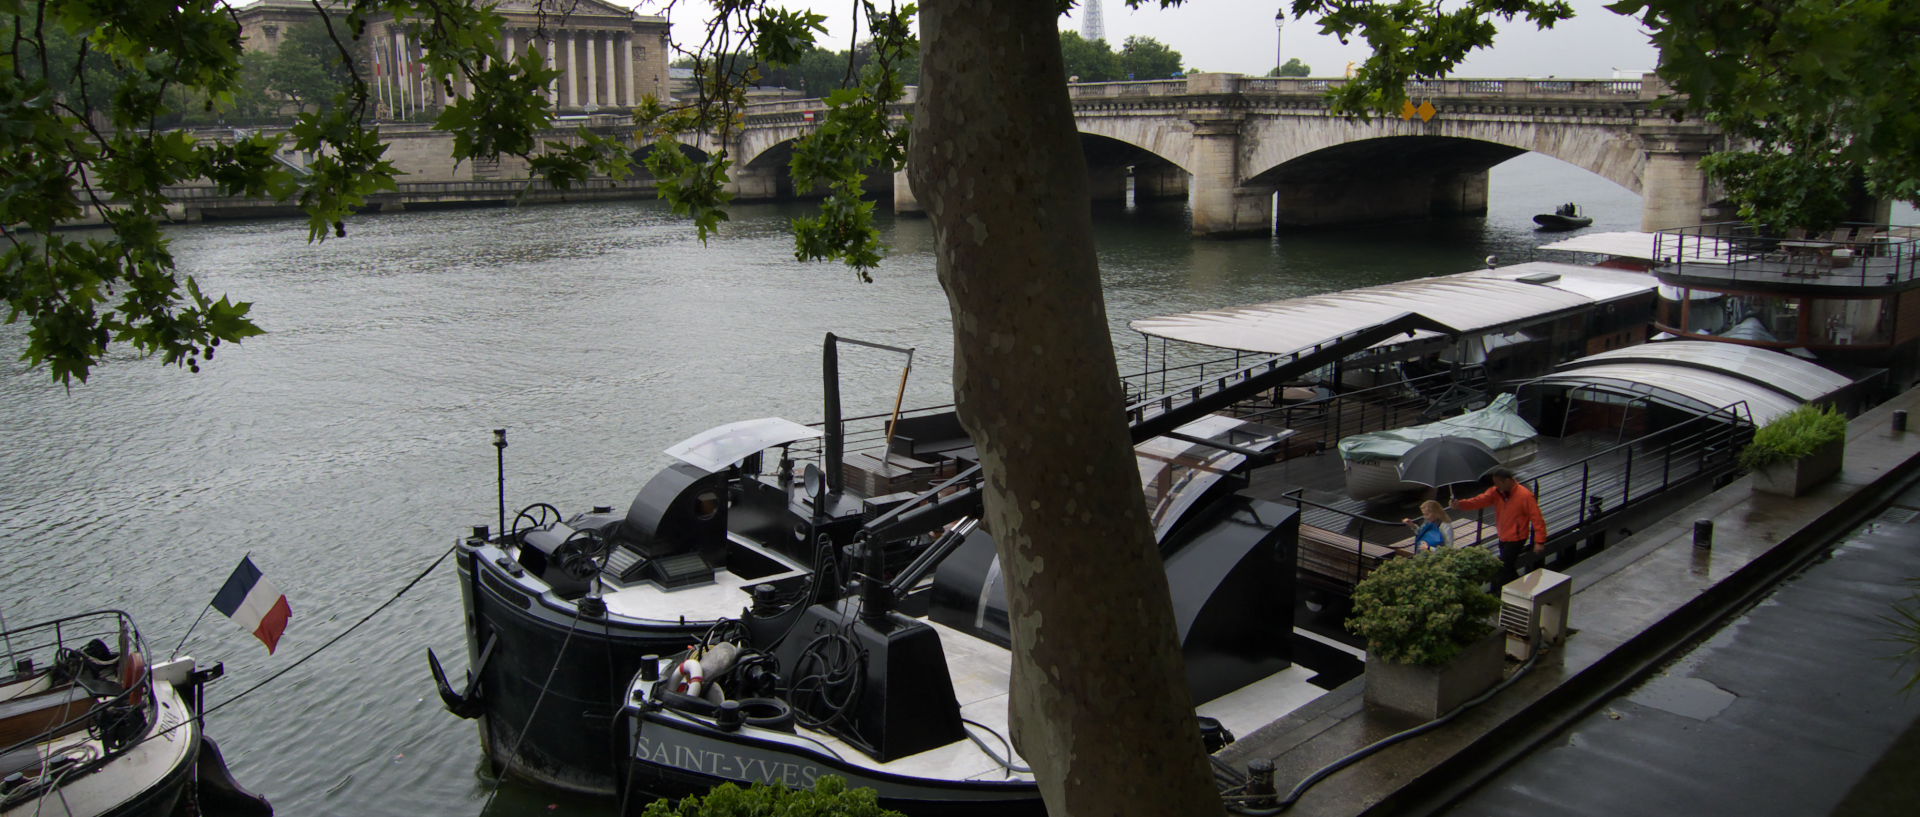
[609, 57]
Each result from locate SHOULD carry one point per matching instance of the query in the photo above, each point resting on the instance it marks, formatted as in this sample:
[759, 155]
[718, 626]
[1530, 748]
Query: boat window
[1176, 473]
[706, 505]
[1846, 321]
[1760, 318]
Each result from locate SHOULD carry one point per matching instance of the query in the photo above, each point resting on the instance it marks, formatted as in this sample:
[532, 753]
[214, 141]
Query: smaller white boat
[89, 727]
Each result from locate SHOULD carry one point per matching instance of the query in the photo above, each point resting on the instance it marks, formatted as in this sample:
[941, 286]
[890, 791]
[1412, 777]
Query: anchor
[466, 703]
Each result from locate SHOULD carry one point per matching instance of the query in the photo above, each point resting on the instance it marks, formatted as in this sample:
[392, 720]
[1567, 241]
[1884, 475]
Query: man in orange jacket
[1517, 517]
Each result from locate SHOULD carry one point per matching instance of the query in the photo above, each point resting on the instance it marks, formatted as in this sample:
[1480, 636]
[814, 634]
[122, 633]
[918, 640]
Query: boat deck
[1580, 481]
[1809, 269]
[980, 672]
[1675, 745]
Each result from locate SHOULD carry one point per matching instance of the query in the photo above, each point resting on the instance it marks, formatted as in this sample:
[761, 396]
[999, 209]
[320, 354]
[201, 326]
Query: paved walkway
[1783, 712]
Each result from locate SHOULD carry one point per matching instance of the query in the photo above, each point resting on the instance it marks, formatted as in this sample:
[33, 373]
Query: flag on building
[254, 603]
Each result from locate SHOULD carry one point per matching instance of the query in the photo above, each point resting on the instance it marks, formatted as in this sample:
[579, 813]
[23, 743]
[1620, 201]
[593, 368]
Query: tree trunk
[1100, 707]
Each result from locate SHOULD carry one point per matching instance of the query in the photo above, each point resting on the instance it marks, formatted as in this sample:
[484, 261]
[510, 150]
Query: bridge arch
[1606, 150]
[1114, 166]
[1398, 175]
[1168, 140]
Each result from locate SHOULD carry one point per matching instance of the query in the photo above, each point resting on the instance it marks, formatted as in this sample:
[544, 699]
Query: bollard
[1703, 534]
[1900, 421]
[1260, 782]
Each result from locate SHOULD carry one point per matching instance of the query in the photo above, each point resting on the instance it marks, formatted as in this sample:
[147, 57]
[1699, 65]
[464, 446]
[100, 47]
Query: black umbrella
[1446, 460]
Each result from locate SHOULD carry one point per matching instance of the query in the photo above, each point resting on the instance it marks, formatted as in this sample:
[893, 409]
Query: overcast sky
[1239, 36]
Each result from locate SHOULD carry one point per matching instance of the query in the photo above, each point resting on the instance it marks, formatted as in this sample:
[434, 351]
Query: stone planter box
[1427, 692]
[1797, 477]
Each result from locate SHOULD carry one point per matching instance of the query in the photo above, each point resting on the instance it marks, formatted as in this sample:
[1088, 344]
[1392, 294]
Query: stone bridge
[1230, 143]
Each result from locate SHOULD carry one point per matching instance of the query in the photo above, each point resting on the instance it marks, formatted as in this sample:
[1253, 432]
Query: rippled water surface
[348, 447]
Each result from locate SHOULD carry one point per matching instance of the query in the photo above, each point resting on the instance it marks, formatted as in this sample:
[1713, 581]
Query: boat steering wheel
[583, 553]
[537, 515]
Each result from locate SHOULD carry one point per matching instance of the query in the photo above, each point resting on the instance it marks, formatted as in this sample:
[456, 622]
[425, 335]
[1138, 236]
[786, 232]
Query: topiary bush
[1793, 435]
[829, 797]
[1426, 609]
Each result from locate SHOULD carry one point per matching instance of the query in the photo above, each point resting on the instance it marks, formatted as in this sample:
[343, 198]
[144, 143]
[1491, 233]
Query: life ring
[688, 678]
[133, 666]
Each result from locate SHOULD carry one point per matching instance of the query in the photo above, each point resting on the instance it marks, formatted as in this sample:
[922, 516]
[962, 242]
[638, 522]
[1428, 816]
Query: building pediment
[563, 9]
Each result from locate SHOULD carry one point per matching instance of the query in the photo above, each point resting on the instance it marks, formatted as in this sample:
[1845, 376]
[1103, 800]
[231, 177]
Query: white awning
[721, 446]
[1470, 301]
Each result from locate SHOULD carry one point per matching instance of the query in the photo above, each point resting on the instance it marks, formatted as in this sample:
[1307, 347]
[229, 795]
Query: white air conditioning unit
[1534, 608]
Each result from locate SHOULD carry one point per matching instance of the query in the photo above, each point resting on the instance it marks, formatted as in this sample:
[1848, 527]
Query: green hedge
[829, 797]
[1426, 609]
[1793, 435]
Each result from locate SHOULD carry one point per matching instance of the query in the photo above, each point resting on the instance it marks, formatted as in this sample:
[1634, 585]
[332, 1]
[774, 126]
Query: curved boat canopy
[718, 447]
[1789, 375]
[1470, 302]
[1703, 374]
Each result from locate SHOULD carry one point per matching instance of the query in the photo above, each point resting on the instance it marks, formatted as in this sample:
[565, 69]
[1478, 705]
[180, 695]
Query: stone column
[1220, 205]
[904, 202]
[553, 85]
[1355, 199]
[1459, 194]
[593, 76]
[1159, 182]
[400, 73]
[1107, 183]
[612, 71]
[1673, 188]
[569, 65]
[627, 97]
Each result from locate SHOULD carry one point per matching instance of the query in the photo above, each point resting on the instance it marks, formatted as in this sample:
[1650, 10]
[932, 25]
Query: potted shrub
[1431, 643]
[1797, 450]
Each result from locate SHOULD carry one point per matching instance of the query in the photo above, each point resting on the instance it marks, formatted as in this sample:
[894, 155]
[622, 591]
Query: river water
[346, 449]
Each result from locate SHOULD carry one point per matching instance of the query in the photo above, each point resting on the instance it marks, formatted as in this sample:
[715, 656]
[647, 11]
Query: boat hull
[1552, 222]
[672, 757]
[147, 780]
[548, 690]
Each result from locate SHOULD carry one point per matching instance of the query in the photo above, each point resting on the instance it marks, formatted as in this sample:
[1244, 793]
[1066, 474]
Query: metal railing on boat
[1339, 546]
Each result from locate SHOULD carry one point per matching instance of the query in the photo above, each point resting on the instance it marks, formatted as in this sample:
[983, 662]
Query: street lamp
[1279, 27]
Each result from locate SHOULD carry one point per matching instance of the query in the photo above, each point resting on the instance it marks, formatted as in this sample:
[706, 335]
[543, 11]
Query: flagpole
[3, 629]
[196, 622]
[183, 638]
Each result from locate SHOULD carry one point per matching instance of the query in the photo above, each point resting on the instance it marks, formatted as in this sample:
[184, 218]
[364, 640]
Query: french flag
[254, 603]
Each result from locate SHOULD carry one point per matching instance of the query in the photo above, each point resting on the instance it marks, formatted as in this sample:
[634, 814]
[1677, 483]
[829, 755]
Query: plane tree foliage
[307, 68]
[1148, 58]
[87, 91]
[1089, 60]
[1293, 68]
[819, 72]
[1138, 58]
